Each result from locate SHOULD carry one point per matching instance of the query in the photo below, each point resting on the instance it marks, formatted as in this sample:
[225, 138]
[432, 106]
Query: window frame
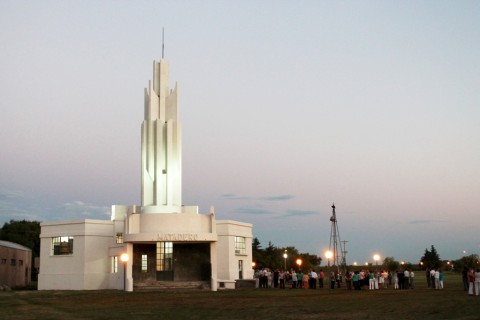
[62, 246]
[144, 264]
[164, 256]
[240, 244]
[115, 264]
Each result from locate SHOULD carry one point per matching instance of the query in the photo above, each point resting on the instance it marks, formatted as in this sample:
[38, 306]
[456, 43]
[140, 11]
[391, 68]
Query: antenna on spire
[163, 43]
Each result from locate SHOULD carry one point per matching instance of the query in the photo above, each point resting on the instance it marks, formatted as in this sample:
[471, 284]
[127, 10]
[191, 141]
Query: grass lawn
[420, 303]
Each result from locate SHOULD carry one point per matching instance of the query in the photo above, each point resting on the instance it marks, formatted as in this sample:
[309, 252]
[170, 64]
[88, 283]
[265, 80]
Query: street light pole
[329, 255]
[124, 258]
[285, 257]
[376, 257]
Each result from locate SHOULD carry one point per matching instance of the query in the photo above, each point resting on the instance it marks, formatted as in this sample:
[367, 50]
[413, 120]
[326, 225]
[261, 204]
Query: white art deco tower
[161, 146]
[165, 240]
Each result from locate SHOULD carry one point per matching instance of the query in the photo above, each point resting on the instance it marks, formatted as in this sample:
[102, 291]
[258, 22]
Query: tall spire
[163, 43]
[161, 144]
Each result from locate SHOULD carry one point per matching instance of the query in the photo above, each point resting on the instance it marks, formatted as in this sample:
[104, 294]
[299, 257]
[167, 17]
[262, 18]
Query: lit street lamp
[285, 257]
[124, 258]
[329, 256]
[376, 257]
[299, 263]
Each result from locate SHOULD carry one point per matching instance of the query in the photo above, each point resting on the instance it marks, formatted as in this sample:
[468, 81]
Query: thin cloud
[299, 213]
[232, 196]
[252, 210]
[278, 198]
[18, 206]
[426, 221]
[86, 210]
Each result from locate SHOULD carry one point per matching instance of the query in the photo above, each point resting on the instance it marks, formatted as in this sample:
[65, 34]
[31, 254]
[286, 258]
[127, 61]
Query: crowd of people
[435, 278]
[353, 280]
[361, 279]
[364, 279]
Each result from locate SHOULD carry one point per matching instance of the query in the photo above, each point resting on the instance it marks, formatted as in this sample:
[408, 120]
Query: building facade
[166, 242]
[15, 264]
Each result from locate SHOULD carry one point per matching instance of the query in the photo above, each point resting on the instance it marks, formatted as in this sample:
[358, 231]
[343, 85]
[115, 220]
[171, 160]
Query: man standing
[401, 279]
[427, 274]
[406, 279]
[437, 279]
[412, 276]
[464, 278]
[313, 280]
[432, 278]
[321, 276]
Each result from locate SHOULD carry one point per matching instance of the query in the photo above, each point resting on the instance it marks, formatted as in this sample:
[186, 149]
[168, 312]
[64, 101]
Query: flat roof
[13, 245]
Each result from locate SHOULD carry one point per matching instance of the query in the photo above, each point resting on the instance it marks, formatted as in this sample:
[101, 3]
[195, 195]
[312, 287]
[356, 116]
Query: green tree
[256, 246]
[273, 257]
[26, 233]
[309, 261]
[390, 264]
[471, 261]
[431, 259]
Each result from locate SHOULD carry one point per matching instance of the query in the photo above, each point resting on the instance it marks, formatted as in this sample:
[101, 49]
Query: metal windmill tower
[338, 255]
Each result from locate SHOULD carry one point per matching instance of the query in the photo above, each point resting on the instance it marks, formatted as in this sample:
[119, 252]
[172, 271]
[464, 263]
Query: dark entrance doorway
[167, 261]
[192, 262]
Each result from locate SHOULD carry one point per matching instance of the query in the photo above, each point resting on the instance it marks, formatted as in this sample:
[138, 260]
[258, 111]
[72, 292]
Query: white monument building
[168, 244]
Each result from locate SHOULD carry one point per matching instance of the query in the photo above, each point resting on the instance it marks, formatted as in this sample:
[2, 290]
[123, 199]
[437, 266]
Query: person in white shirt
[406, 279]
[294, 279]
[432, 278]
[313, 280]
[384, 275]
[477, 281]
[437, 279]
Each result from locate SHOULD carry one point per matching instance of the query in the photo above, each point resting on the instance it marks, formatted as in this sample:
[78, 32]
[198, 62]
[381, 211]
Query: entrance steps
[172, 285]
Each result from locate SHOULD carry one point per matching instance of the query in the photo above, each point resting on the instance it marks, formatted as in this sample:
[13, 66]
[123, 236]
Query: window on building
[240, 269]
[164, 256]
[240, 245]
[62, 245]
[115, 264]
[119, 237]
[144, 263]
[20, 263]
[13, 262]
[4, 261]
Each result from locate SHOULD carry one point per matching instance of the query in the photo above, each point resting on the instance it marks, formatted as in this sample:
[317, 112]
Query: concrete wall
[94, 246]
[88, 267]
[169, 223]
[227, 258]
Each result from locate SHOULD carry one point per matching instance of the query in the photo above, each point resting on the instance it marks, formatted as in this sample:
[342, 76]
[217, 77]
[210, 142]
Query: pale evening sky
[286, 107]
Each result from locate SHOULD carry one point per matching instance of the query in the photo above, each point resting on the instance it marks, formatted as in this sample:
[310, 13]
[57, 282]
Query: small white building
[15, 264]
[168, 243]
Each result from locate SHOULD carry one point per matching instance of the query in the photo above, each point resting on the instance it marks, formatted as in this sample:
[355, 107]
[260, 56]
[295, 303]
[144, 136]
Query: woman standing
[356, 279]
[294, 279]
[477, 281]
[442, 277]
[305, 281]
[332, 280]
[471, 280]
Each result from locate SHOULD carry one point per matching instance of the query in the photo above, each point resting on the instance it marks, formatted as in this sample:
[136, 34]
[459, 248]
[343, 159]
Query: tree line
[27, 233]
[274, 257]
